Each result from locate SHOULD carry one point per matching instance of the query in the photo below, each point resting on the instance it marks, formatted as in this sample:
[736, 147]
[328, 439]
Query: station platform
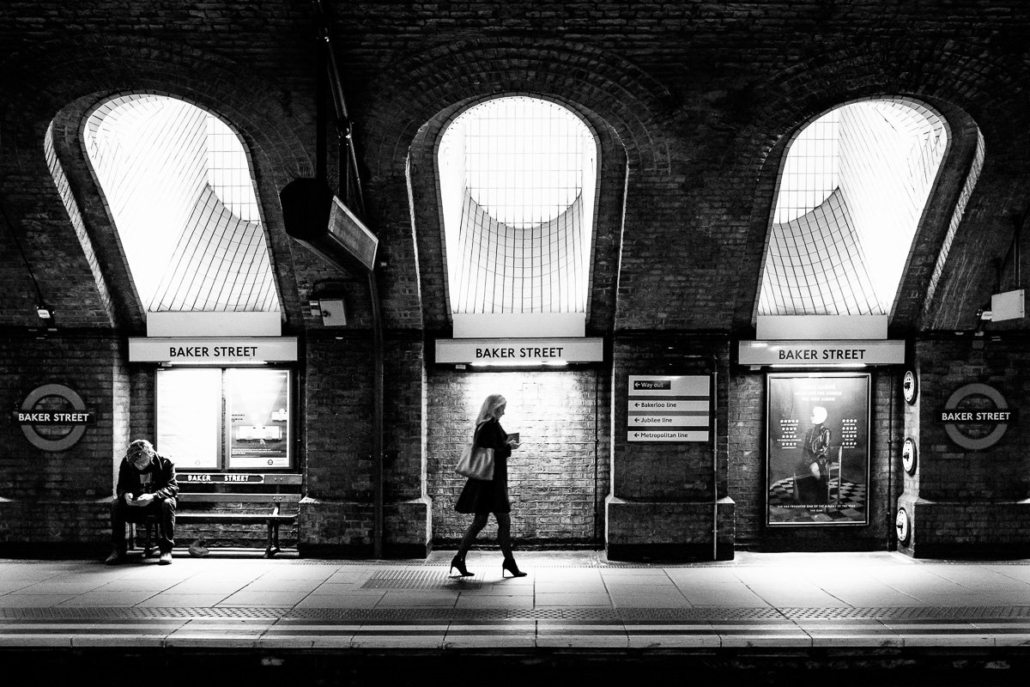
[783, 612]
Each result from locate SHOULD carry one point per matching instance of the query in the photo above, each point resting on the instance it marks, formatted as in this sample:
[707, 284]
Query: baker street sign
[975, 416]
[53, 417]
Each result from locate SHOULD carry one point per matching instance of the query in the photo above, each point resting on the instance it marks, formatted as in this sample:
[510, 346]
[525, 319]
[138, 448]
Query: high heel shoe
[509, 565]
[459, 563]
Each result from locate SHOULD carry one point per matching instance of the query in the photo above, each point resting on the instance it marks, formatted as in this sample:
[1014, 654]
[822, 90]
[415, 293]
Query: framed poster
[817, 449]
[258, 403]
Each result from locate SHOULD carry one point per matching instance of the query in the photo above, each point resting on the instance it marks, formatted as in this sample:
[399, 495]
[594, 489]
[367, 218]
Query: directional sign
[658, 406]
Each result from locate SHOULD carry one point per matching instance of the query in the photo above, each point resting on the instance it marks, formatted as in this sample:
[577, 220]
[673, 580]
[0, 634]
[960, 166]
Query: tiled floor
[571, 600]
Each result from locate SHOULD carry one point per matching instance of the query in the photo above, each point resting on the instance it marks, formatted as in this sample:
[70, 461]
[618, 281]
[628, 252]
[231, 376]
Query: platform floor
[854, 606]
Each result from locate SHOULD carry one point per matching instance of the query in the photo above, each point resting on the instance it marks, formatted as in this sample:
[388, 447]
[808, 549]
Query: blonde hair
[489, 409]
[138, 448]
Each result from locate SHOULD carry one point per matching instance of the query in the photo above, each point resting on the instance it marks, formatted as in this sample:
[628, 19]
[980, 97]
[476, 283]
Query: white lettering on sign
[70, 418]
[981, 416]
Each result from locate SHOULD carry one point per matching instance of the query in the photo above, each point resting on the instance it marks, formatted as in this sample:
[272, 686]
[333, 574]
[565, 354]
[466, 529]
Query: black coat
[158, 479]
[489, 496]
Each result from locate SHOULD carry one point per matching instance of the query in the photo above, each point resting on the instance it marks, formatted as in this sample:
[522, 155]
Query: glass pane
[259, 418]
[189, 413]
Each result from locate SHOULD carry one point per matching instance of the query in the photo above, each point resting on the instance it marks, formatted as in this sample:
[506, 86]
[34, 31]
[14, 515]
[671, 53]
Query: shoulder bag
[476, 462]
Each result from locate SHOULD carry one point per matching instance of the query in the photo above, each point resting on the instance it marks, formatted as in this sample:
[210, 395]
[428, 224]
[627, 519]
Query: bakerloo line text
[519, 353]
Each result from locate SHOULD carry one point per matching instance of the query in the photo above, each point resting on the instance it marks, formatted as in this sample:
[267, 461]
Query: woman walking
[482, 497]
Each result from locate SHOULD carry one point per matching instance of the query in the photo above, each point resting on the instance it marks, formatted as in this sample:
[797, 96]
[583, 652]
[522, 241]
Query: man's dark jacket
[158, 479]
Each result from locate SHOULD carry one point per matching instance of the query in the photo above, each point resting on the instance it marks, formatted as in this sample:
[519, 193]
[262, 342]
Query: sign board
[221, 477]
[672, 409]
[976, 416]
[821, 353]
[501, 352]
[208, 351]
[53, 417]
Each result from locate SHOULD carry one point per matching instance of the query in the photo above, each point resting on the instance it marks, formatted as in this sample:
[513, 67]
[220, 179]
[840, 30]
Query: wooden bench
[268, 492]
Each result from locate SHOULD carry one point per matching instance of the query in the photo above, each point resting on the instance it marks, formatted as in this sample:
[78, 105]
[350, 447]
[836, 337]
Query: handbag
[476, 462]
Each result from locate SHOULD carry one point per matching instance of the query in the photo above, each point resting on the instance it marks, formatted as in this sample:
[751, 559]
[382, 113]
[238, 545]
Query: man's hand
[144, 500]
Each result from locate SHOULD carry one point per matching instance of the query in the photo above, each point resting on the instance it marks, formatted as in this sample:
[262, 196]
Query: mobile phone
[513, 438]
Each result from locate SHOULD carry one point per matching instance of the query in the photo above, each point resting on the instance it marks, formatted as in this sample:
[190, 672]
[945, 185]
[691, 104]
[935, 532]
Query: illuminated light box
[821, 327]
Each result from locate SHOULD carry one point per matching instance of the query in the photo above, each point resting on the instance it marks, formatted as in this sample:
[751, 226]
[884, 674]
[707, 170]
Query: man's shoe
[165, 559]
[116, 558]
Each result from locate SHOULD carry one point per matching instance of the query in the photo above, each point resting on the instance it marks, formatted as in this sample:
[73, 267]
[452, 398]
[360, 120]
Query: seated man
[146, 486]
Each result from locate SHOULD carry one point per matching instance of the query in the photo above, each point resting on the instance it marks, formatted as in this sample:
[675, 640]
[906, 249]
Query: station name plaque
[676, 409]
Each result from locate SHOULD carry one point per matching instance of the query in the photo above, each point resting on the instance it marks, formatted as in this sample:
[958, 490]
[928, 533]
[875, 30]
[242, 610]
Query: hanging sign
[200, 351]
[821, 353]
[516, 352]
[669, 408]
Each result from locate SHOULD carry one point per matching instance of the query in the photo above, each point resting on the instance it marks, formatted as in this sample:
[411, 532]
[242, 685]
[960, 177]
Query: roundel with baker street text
[976, 416]
[53, 417]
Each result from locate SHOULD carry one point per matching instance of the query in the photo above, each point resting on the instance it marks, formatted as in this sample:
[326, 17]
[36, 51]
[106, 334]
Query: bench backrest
[238, 478]
[239, 487]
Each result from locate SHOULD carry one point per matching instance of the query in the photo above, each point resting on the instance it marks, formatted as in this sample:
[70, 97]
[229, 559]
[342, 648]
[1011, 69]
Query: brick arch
[635, 105]
[963, 89]
[81, 75]
[403, 116]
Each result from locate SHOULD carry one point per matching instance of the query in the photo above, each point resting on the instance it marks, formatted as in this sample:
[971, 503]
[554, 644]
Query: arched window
[854, 186]
[518, 177]
[179, 189]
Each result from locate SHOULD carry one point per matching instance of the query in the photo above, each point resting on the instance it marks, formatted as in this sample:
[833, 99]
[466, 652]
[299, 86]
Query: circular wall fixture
[901, 524]
[908, 456]
[909, 387]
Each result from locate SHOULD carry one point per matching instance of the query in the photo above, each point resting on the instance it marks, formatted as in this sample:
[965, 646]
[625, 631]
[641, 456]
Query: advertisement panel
[259, 418]
[817, 448]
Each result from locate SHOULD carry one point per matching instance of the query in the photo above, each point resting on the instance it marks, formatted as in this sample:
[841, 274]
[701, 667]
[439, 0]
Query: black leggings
[478, 523]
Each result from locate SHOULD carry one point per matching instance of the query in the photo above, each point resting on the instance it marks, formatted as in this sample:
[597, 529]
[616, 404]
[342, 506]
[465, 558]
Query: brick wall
[59, 499]
[557, 480]
[969, 502]
[692, 103]
[336, 403]
[664, 495]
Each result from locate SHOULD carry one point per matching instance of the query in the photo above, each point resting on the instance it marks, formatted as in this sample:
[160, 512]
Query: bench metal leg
[272, 543]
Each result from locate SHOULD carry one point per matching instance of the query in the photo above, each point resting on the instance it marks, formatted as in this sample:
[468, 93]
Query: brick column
[668, 499]
[966, 502]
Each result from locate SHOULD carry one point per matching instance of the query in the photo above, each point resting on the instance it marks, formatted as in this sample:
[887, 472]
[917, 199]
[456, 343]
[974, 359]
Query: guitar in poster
[817, 439]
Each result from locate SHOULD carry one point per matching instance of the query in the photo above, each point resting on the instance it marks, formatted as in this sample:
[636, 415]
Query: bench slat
[237, 479]
[196, 497]
[234, 517]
